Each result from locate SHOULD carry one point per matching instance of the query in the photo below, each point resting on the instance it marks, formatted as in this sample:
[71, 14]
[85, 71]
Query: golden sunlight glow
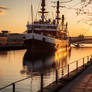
[60, 54]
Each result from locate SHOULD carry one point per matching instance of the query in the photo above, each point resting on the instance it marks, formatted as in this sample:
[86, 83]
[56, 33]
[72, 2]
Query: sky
[14, 15]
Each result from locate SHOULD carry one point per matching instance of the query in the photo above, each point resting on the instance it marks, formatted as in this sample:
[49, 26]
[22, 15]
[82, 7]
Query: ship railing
[60, 72]
[48, 35]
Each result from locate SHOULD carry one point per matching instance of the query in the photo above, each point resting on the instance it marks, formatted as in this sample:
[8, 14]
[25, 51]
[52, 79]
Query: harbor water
[18, 64]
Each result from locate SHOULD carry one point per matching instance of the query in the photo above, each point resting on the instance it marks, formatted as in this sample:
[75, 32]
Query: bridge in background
[79, 41]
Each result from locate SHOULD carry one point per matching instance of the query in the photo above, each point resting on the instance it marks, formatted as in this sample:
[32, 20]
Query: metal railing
[64, 70]
[80, 63]
[14, 84]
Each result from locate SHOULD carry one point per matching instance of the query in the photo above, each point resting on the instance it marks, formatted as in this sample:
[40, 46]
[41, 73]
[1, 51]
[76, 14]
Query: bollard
[68, 70]
[13, 87]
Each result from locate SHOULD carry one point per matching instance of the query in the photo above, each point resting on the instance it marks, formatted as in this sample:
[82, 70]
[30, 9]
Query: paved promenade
[83, 83]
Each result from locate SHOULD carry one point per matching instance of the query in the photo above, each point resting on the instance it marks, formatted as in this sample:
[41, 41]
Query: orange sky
[16, 14]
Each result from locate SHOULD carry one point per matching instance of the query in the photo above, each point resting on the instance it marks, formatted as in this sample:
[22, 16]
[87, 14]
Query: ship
[46, 35]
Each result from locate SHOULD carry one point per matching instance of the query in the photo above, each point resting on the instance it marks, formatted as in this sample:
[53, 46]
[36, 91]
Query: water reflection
[15, 61]
[44, 64]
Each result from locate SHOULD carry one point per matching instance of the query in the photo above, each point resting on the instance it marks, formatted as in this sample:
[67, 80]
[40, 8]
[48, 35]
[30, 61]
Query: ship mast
[63, 22]
[58, 12]
[32, 13]
[43, 10]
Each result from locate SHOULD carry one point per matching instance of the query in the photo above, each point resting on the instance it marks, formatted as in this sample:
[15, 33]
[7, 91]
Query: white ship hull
[40, 44]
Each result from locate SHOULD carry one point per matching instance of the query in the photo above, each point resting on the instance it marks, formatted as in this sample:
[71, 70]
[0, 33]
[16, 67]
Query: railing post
[68, 70]
[91, 58]
[87, 58]
[83, 62]
[13, 87]
[56, 76]
[77, 66]
[41, 82]
[62, 72]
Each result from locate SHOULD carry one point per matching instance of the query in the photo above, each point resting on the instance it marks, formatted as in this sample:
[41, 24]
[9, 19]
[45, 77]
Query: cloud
[2, 9]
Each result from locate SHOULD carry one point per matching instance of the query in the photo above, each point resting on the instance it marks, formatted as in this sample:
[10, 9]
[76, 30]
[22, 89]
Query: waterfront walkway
[83, 83]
